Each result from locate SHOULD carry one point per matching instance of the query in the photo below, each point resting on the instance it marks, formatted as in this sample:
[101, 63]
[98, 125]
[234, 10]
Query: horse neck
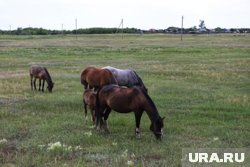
[151, 109]
[47, 77]
[48, 80]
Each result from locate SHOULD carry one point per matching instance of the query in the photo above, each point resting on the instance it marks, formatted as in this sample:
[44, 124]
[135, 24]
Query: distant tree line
[171, 30]
[42, 31]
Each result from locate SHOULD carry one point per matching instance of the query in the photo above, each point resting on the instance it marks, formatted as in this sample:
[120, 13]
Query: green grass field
[201, 85]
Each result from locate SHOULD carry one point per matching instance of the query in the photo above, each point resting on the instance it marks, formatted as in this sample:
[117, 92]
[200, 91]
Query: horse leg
[93, 115]
[105, 123]
[43, 85]
[98, 114]
[86, 112]
[138, 115]
[31, 83]
[34, 83]
[39, 85]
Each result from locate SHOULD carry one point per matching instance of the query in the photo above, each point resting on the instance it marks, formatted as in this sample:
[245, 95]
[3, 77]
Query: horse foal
[89, 101]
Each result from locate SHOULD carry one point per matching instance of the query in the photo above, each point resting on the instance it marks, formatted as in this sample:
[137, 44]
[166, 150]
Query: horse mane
[152, 104]
[48, 78]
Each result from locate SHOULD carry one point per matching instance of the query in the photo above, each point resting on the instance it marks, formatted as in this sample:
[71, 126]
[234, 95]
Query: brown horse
[41, 73]
[92, 77]
[89, 99]
[125, 100]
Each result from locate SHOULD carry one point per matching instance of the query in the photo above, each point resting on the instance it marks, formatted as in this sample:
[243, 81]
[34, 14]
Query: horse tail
[138, 79]
[139, 82]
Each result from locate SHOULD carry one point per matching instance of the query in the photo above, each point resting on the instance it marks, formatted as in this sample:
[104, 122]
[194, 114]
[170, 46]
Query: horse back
[37, 71]
[120, 99]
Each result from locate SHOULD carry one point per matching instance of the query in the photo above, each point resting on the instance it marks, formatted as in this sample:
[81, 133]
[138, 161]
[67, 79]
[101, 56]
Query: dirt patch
[12, 74]
[8, 101]
[152, 157]
[8, 148]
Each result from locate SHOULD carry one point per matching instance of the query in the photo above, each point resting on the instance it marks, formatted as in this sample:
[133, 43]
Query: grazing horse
[41, 73]
[126, 77]
[125, 100]
[92, 77]
[89, 99]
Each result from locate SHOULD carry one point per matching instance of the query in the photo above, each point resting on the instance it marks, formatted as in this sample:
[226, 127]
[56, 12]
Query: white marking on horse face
[162, 132]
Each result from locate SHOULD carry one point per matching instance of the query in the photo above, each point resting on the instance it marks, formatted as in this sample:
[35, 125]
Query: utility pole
[30, 30]
[10, 29]
[76, 27]
[62, 29]
[120, 25]
[181, 27]
[122, 28]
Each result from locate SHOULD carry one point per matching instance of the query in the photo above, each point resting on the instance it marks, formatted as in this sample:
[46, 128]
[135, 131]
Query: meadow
[201, 85]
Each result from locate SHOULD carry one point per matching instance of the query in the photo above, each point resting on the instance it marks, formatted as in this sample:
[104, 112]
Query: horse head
[85, 84]
[50, 87]
[156, 127]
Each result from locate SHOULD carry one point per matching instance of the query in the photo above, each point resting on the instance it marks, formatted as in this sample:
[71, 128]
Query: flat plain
[201, 85]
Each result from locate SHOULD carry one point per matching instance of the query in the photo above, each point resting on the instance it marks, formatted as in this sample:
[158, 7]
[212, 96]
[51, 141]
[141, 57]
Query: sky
[142, 14]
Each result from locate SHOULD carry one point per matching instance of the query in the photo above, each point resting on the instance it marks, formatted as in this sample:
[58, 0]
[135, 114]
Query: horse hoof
[98, 128]
[106, 130]
[138, 135]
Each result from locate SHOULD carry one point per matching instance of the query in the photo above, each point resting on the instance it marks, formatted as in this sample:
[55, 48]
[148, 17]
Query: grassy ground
[201, 85]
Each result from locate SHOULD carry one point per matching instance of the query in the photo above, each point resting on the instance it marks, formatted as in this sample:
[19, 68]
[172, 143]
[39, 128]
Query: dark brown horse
[41, 73]
[89, 100]
[125, 100]
[92, 77]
